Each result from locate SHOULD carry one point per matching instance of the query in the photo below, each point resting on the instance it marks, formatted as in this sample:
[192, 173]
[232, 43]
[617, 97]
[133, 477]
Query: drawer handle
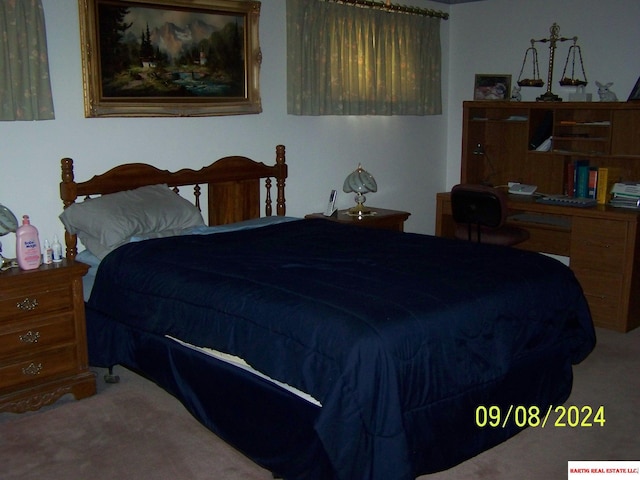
[595, 295]
[30, 337]
[27, 304]
[590, 243]
[32, 369]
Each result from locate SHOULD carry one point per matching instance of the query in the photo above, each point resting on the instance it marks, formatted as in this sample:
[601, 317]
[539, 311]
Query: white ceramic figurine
[605, 94]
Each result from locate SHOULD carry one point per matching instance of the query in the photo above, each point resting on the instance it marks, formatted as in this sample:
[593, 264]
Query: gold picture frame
[170, 58]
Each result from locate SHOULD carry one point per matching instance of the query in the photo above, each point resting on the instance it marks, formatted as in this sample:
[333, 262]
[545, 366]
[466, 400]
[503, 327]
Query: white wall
[411, 158]
[406, 155]
[491, 36]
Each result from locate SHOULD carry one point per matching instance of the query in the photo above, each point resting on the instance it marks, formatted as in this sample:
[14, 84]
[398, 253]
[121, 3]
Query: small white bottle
[47, 254]
[56, 250]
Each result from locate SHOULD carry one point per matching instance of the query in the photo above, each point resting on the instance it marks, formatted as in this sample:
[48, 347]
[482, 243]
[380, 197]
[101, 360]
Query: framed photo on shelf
[172, 58]
[635, 92]
[492, 87]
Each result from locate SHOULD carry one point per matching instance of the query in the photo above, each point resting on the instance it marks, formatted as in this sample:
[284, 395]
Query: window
[346, 59]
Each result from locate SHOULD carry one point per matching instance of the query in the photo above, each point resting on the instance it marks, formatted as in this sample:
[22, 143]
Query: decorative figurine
[605, 94]
[515, 94]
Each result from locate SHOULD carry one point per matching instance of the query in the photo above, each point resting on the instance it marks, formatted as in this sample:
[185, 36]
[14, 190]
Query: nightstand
[386, 219]
[43, 345]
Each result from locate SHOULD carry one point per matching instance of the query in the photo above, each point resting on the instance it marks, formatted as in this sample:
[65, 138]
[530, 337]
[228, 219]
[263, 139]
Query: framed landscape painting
[170, 57]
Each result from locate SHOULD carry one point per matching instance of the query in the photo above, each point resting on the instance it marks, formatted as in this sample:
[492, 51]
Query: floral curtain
[25, 88]
[348, 60]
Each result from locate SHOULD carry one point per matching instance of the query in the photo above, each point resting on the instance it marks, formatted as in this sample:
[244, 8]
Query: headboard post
[281, 208]
[68, 194]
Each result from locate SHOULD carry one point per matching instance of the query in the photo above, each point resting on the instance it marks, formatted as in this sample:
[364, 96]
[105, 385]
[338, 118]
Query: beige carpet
[134, 430]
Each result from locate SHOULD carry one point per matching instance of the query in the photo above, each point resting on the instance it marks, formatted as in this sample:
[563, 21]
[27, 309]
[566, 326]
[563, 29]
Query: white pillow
[104, 223]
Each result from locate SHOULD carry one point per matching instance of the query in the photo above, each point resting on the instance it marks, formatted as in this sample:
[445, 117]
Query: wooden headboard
[233, 187]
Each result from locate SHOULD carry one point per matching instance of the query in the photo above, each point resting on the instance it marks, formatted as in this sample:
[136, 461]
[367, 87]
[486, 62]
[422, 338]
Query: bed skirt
[275, 428]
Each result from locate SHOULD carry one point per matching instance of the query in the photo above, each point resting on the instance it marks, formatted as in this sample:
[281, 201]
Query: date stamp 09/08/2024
[522, 416]
[560, 416]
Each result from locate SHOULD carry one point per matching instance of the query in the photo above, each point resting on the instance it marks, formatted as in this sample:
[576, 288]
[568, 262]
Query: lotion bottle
[56, 248]
[27, 245]
[47, 256]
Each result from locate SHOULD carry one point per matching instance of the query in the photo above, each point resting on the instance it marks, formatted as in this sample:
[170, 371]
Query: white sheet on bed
[240, 363]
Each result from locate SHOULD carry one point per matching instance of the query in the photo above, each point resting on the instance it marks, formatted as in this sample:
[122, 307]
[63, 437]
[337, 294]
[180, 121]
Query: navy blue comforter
[391, 332]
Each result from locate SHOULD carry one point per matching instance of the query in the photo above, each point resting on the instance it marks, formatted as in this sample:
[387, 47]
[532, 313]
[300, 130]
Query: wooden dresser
[43, 348]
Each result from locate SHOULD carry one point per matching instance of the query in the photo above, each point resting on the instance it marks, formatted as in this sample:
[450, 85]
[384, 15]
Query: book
[607, 176]
[593, 182]
[581, 188]
[572, 175]
[570, 188]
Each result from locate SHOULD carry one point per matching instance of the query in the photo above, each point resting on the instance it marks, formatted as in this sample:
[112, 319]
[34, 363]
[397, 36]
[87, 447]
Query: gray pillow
[104, 223]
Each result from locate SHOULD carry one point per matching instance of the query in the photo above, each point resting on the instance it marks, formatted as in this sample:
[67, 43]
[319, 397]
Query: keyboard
[567, 201]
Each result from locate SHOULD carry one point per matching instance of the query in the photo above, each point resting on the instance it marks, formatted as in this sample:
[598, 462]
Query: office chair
[480, 214]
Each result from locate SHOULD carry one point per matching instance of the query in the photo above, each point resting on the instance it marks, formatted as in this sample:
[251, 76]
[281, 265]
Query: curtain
[348, 60]
[25, 88]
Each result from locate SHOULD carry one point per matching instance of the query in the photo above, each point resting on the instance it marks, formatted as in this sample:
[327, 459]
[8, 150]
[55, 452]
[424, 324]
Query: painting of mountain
[170, 52]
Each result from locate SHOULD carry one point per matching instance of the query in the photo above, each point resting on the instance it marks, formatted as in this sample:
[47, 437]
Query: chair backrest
[478, 205]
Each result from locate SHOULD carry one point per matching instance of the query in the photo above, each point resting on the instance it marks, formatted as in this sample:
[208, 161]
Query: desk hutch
[602, 242]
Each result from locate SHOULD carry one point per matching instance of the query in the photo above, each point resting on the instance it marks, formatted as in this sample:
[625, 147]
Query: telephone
[521, 188]
[331, 206]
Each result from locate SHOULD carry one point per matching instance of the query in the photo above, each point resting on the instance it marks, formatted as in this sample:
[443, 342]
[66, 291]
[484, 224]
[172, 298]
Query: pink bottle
[27, 245]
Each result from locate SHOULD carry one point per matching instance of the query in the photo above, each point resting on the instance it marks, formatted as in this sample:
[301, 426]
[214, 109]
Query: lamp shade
[8, 221]
[359, 182]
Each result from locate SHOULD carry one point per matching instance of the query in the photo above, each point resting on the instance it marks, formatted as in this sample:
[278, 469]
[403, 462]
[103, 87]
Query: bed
[319, 350]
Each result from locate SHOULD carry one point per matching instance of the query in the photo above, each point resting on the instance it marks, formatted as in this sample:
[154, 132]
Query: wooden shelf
[601, 241]
[606, 133]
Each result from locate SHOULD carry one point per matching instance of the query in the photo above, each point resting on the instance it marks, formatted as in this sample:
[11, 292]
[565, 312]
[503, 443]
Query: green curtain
[25, 88]
[347, 60]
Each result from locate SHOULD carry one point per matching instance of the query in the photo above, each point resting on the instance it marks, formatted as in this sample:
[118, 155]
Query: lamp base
[360, 210]
[7, 263]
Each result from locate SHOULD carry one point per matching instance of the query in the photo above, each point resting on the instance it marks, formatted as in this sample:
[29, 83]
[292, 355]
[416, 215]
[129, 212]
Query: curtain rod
[427, 12]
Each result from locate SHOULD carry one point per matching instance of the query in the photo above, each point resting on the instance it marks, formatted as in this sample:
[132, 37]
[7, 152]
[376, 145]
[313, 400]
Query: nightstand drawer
[39, 367]
[17, 305]
[29, 337]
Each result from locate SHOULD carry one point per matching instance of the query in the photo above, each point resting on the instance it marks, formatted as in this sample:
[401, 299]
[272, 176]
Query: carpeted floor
[134, 430]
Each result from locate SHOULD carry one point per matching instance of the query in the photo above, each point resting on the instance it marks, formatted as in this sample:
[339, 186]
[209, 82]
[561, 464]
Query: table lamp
[8, 223]
[360, 182]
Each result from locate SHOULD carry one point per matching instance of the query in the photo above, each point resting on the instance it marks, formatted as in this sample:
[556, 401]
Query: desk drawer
[603, 292]
[545, 240]
[598, 244]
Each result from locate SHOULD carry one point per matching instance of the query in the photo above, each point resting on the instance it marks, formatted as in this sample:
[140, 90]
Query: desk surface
[528, 203]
